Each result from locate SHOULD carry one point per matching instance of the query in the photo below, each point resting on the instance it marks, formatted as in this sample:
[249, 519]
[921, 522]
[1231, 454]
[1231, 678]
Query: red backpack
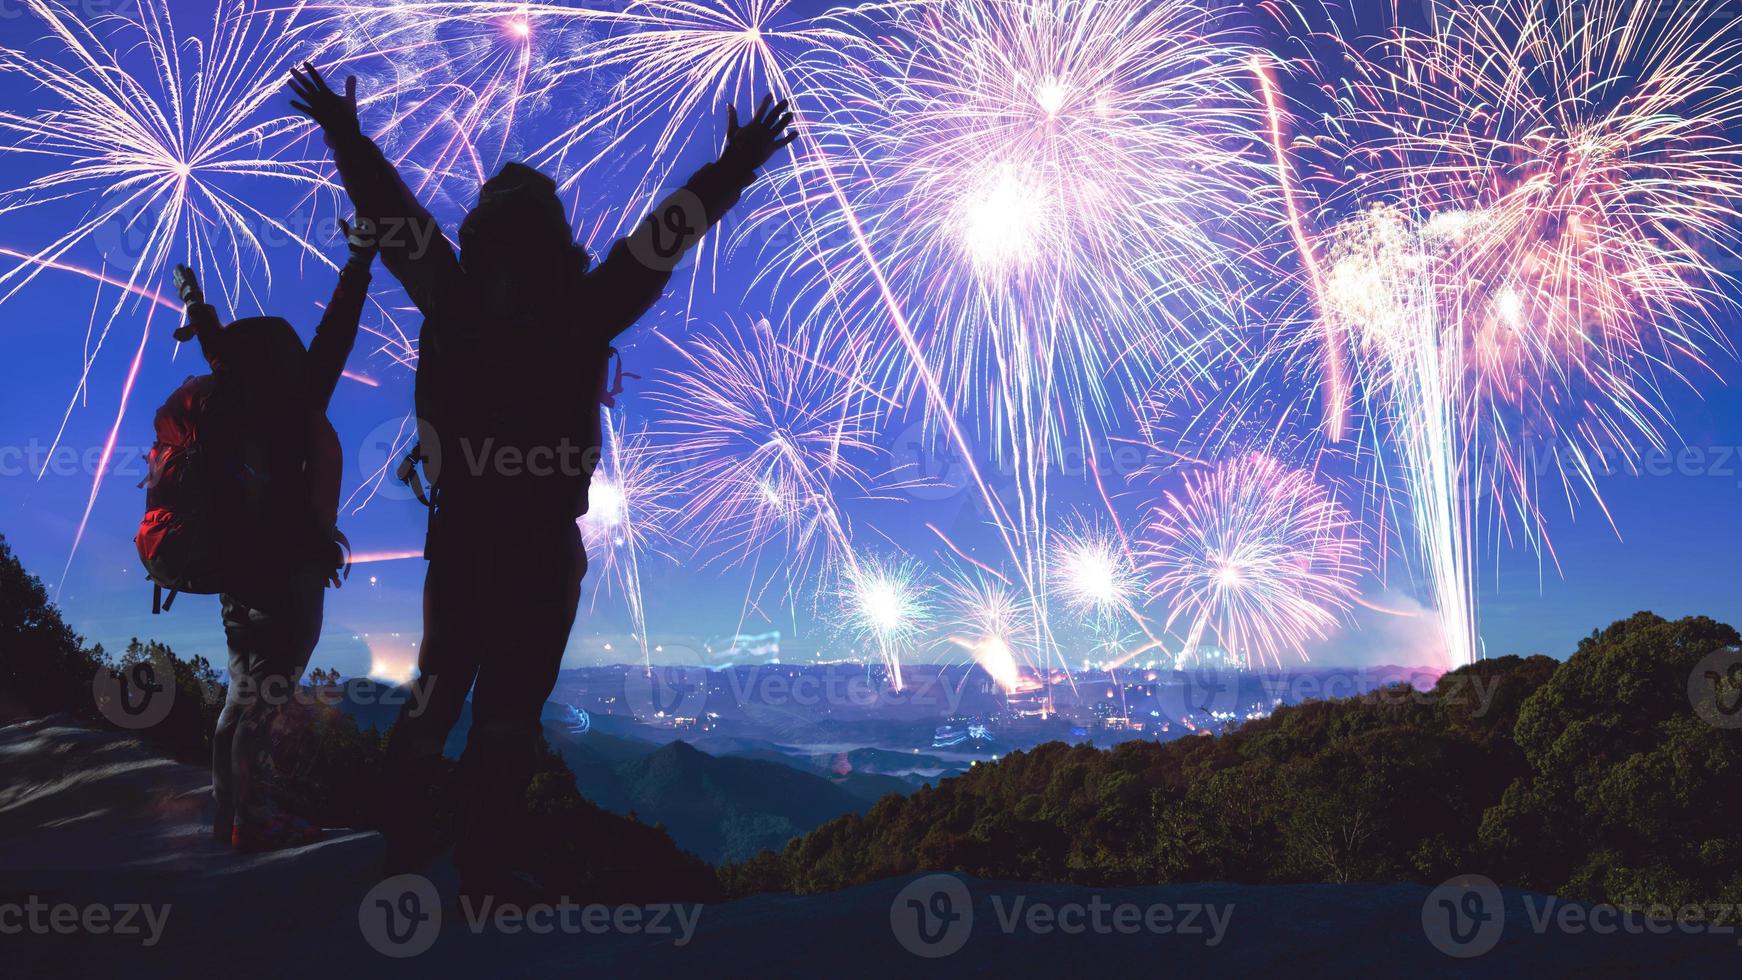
[196, 466]
[205, 504]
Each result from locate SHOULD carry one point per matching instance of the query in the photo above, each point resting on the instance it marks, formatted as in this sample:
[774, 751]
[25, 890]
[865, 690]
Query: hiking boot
[224, 827]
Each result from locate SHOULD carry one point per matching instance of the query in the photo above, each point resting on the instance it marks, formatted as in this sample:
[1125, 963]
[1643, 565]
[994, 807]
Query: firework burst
[1045, 179]
[1576, 172]
[668, 66]
[885, 605]
[770, 437]
[1540, 195]
[171, 157]
[1094, 576]
[459, 82]
[1254, 554]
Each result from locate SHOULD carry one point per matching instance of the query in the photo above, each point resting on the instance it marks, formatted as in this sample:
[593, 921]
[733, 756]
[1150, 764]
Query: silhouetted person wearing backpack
[511, 372]
[244, 501]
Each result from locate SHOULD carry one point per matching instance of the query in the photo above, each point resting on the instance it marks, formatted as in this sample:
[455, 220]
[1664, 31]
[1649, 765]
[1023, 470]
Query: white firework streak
[1256, 554]
[631, 506]
[166, 154]
[770, 440]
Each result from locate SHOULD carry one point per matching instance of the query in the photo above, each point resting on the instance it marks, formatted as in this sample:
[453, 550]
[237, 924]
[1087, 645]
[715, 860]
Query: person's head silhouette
[517, 240]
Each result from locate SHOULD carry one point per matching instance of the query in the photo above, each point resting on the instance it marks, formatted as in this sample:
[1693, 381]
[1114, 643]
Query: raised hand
[187, 286]
[362, 239]
[755, 144]
[335, 113]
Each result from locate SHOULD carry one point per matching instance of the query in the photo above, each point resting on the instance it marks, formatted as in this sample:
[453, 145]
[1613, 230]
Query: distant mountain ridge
[722, 808]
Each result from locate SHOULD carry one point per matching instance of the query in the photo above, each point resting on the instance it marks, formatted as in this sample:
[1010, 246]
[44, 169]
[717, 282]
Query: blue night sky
[1675, 552]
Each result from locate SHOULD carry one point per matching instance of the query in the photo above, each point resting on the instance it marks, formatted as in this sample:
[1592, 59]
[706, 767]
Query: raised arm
[636, 270]
[201, 321]
[337, 332]
[410, 242]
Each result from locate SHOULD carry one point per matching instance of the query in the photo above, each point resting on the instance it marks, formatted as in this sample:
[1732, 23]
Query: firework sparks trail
[165, 157]
[1541, 195]
[108, 450]
[1382, 279]
[990, 621]
[1254, 553]
[1336, 397]
[885, 604]
[1030, 170]
[459, 79]
[769, 437]
[630, 511]
[375, 557]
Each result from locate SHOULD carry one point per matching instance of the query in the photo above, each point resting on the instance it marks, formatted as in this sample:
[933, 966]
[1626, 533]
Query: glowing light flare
[1005, 224]
[1042, 180]
[885, 604]
[1093, 574]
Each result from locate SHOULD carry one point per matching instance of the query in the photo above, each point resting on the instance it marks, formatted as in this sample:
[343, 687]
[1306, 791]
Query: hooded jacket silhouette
[512, 362]
[270, 395]
[276, 394]
[518, 325]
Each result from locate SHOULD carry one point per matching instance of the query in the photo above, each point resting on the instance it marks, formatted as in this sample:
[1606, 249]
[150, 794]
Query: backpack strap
[344, 544]
[160, 604]
[408, 474]
[609, 397]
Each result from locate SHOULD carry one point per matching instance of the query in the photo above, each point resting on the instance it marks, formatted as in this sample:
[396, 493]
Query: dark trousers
[271, 633]
[499, 600]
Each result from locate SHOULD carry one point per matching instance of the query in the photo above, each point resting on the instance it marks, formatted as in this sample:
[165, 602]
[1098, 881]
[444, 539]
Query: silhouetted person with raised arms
[244, 502]
[512, 363]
